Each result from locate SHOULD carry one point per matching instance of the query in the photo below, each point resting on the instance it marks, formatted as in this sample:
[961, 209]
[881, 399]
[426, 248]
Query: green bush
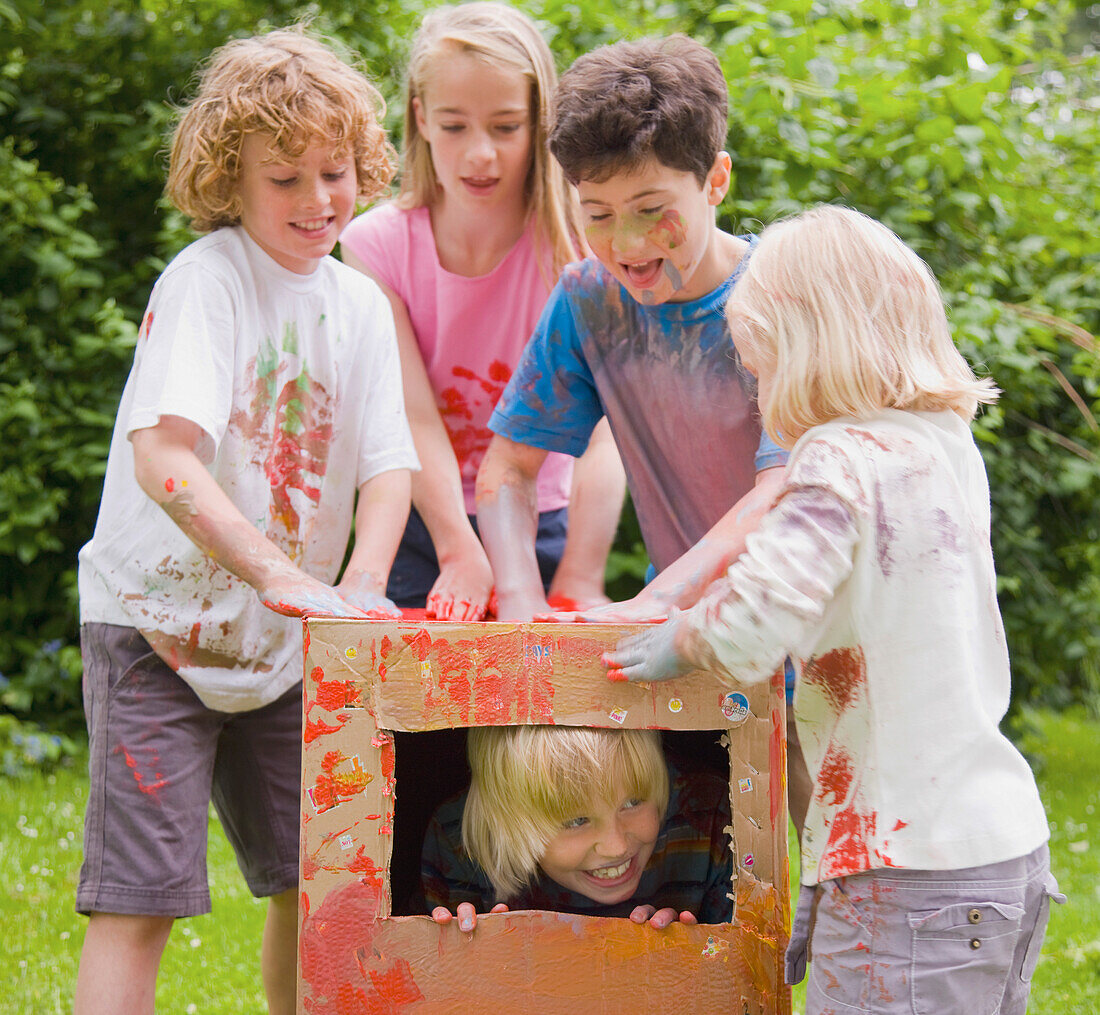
[962, 125]
[63, 353]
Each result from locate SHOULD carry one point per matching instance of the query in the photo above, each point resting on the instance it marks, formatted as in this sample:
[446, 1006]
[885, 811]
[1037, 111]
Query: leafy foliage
[962, 125]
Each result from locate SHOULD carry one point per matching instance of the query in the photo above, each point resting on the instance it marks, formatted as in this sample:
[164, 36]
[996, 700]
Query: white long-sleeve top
[874, 572]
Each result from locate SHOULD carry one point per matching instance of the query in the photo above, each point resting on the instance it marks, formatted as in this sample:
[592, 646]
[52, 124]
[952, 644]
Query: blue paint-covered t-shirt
[680, 404]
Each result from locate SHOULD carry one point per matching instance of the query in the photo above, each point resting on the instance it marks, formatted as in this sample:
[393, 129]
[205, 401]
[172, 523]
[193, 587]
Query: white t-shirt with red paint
[471, 331]
[296, 385]
[874, 572]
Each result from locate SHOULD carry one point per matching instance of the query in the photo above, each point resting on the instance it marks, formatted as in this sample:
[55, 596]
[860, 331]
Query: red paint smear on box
[841, 673]
[333, 694]
[334, 942]
[320, 728]
[776, 766]
[488, 681]
[332, 788]
[396, 985]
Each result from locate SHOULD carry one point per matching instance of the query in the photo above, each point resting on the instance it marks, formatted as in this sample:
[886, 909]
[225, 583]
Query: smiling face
[602, 853]
[295, 207]
[476, 118]
[654, 230]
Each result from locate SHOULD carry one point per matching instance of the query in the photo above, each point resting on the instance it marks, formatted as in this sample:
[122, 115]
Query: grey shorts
[157, 758]
[905, 942]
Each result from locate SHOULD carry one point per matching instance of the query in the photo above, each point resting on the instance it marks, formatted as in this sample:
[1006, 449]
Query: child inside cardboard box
[580, 820]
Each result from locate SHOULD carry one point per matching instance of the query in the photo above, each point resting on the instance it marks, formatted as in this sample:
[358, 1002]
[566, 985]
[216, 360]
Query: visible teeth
[610, 873]
[313, 224]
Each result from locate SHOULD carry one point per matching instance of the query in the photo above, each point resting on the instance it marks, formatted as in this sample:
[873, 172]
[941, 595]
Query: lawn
[210, 966]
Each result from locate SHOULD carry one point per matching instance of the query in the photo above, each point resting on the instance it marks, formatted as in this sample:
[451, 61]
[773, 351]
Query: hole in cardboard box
[431, 767]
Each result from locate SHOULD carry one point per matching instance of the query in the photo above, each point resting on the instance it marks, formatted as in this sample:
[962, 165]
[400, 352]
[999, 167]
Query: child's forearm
[507, 515]
[170, 473]
[380, 517]
[686, 580]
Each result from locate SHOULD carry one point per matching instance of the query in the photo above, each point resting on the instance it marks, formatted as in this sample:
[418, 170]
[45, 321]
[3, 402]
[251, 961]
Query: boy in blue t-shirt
[637, 334]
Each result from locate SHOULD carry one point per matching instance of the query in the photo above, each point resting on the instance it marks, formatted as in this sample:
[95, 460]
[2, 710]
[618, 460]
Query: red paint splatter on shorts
[841, 674]
[149, 789]
[900, 825]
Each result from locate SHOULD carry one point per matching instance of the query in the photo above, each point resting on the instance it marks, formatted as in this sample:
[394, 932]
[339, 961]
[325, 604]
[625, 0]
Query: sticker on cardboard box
[735, 707]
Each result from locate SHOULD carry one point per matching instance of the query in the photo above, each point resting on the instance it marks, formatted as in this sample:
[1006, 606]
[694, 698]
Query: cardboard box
[366, 679]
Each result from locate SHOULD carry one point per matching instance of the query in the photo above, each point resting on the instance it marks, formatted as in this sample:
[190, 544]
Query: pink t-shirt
[471, 331]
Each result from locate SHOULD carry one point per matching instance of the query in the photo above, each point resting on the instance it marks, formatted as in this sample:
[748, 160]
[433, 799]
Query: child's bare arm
[465, 582]
[169, 471]
[684, 581]
[380, 517]
[595, 503]
[507, 515]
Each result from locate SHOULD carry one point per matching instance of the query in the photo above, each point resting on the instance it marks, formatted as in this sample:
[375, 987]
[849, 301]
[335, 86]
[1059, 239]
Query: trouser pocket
[962, 955]
[1039, 929]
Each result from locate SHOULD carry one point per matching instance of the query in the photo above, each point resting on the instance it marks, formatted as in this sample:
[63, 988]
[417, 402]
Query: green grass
[211, 965]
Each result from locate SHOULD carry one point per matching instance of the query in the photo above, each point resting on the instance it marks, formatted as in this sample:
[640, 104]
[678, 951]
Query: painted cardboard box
[367, 680]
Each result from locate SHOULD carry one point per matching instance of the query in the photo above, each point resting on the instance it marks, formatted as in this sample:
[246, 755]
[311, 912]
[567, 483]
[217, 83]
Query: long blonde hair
[506, 38]
[528, 780]
[851, 321]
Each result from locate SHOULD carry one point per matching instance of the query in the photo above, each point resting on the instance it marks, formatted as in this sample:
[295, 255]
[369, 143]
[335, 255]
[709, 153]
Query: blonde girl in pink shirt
[467, 254]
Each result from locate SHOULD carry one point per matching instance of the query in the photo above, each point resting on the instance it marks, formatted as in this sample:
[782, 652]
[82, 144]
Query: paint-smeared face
[476, 118]
[295, 208]
[602, 853]
[654, 230]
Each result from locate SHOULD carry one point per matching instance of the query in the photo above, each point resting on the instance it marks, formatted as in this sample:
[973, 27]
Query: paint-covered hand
[660, 918]
[521, 606]
[467, 915]
[462, 590]
[652, 655]
[366, 591]
[301, 596]
[639, 610]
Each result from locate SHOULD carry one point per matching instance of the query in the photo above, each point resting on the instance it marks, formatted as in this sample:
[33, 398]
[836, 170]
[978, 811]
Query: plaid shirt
[690, 868]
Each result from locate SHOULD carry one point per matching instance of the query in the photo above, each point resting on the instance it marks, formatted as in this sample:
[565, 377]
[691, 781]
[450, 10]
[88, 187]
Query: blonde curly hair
[285, 83]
